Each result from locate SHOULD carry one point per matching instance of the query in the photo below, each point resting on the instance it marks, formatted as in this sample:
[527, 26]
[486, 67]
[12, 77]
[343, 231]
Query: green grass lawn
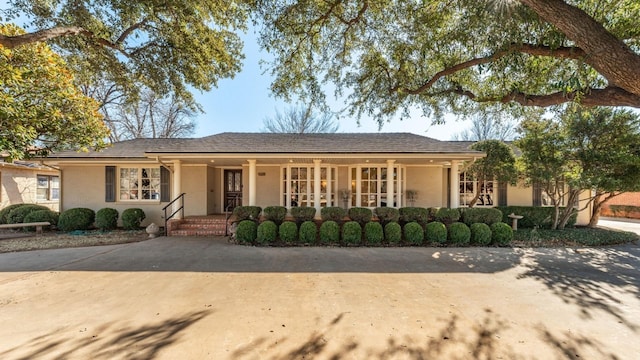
[572, 236]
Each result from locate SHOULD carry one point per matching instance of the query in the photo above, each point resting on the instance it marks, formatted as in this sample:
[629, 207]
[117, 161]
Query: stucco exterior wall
[268, 186]
[519, 195]
[194, 184]
[428, 182]
[19, 186]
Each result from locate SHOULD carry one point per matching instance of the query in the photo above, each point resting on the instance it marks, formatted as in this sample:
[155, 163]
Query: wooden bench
[38, 226]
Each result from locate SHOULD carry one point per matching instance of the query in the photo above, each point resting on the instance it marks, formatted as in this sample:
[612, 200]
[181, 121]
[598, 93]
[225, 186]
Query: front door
[232, 189]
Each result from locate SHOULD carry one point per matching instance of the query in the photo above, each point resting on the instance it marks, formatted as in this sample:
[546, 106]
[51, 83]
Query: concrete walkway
[189, 298]
[631, 225]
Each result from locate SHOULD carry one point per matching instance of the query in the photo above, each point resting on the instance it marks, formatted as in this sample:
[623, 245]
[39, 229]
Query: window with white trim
[369, 186]
[469, 186]
[139, 183]
[298, 184]
[48, 188]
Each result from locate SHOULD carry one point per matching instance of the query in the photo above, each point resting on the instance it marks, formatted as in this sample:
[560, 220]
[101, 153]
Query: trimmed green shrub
[275, 214]
[413, 233]
[308, 232]
[487, 216]
[329, 232]
[351, 232]
[131, 218]
[387, 214]
[266, 233]
[436, 232]
[5, 212]
[393, 233]
[303, 213]
[76, 219]
[17, 215]
[501, 234]
[414, 214]
[247, 232]
[373, 233]
[533, 216]
[107, 219]
[333, 213]
[360, 215]
[447, 216]
[480, 234]
[41, 216]
[288, 232]
[459, 234]
[432, 211]
[247, 213]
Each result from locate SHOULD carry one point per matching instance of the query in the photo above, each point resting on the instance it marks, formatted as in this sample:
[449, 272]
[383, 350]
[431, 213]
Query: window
[139, 184]
[543, 198]
[298, 184]
[369, 186]
[48, 188]
[469, 186]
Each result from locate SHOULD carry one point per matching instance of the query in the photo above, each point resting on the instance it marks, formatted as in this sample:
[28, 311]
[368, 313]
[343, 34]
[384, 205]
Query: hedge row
[351, 233]
[533, 216]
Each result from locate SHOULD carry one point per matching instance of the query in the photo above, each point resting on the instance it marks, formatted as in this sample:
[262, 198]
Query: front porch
[205, 225]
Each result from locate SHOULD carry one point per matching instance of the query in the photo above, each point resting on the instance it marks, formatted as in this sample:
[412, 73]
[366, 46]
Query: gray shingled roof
[269, 143]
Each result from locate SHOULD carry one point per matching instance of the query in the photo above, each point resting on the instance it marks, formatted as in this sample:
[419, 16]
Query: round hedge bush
[351, 233]
[246, 232]
[361, 215]
[436, 232]
[501, 234]
[329, 232]
[41, 216]
[275, 214]
[308, 232]
[5, 212]
[76, 219]
[459, 234]
[480, 234]
[393, 233]
[413, 233]
[17, 215]
[267, 232]
[131, 218]
[373, 233]
[288, 232]
[333, 213]
[107, 219]
[447, 215]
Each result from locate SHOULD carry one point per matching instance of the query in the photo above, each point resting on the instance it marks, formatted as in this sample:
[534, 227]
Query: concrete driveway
[188, 298]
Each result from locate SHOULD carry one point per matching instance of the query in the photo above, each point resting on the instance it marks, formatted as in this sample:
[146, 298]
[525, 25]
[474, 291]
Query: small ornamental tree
[499, 165]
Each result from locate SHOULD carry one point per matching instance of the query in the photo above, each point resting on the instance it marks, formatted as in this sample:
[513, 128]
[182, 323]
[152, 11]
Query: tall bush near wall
[533, 216]
[275, 214]
[373, 233]
[308, 233]
[333, 213]
[288, 232]
[487, 216]
[393, 233]
[266, 233]
[303, 213]
[436, 232]
[247, 232]
[5, 212]
[386, 215]
[414, 214]
[76, 219]
[247, 213]
[329, 232]
[360, 215]
[17, 215]
[107, 219]
[351, 233]
[41, 216]
[132, 218]
[447, 216]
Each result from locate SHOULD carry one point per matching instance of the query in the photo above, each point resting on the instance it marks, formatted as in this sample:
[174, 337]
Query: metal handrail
[227, 215]
[181, 208]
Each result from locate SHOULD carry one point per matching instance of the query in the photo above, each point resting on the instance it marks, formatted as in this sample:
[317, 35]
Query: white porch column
[177, 186]
[390, 182]
[455, 184]
[316, 186]
[252, 182]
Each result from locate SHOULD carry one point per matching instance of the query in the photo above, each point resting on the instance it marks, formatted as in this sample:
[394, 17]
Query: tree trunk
[569, 210]
[595, 215]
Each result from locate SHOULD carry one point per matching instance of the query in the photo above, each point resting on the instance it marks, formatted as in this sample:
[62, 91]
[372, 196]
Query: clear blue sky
[242, 103]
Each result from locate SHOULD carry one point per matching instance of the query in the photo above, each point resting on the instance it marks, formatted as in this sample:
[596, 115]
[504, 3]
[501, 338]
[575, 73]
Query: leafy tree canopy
[40, 107]
[499, 164]
[448, 56]
[166, 46]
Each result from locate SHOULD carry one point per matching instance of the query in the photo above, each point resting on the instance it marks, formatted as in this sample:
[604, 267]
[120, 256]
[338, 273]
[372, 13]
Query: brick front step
[198, 226]
[201, 226]
[191, 232]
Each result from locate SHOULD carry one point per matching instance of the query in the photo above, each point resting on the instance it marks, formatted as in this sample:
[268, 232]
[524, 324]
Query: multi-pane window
[469, 186]
[48, 187]
[139, 183]
[298, 184]
[370, 184]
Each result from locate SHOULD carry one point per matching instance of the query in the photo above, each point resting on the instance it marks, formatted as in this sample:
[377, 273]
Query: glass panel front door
[232, 189]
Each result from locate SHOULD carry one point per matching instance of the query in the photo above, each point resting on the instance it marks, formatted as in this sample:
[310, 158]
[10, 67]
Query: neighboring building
[625, 205]
[221, 171]
[29, 183]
